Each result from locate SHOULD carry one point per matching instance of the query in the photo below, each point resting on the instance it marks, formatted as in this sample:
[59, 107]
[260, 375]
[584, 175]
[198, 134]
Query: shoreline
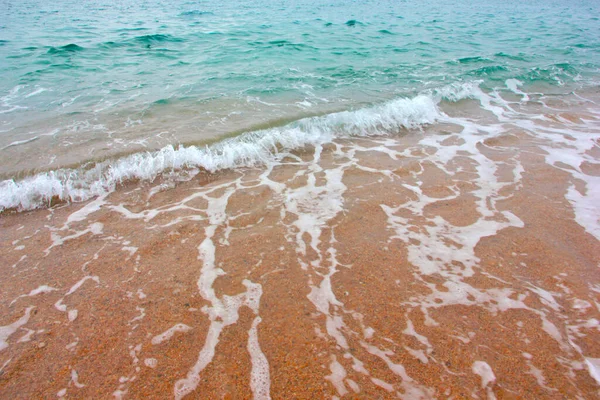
[427, 111]
[418, 266]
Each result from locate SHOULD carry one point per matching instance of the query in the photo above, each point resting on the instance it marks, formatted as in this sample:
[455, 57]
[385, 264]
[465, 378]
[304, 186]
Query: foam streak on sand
[312, 208]
[483, 369]
[7, 330]
[224, 311]
[168, 334]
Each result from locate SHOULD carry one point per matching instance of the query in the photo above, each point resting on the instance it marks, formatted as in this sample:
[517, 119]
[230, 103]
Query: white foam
[353, 385]
[593, 365]
[123, 380]
[412, 389]
[26, 337]
[72, 314]
[537, 373]
[4, 365]
[41, 289]
[75, 379]
[513, 85]
[13, 108]
[382, 384]
[140, 317]
[95, 228]
[84, 212]
[35, 92]
[7, 330]
[119, 393]
[224, 311]
[484, 370]
[71, 346]
[568, 147]
[338, 374]
[457, 91]
[587, 206]
[486, 373]
[260, 378]
[310, 210]
[168, 334]
[34, 292]
[248, 149]
[20, 142]
[20, 259]
[63, 307]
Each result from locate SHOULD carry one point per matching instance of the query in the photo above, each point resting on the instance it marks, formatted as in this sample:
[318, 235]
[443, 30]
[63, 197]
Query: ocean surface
[90, 91]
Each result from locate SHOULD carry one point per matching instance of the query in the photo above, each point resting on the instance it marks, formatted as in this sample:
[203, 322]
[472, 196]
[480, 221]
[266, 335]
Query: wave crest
[249, 149]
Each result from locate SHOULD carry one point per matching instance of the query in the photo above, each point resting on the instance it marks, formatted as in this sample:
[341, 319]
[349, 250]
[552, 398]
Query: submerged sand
[448, 263]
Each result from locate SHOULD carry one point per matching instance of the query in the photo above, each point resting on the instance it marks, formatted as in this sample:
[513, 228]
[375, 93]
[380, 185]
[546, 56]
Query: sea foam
[249, 149]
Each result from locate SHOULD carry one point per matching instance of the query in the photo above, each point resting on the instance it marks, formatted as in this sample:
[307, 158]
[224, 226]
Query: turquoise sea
[93, 90]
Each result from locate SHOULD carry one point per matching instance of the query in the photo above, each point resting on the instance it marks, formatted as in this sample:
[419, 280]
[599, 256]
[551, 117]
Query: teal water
[86, 81]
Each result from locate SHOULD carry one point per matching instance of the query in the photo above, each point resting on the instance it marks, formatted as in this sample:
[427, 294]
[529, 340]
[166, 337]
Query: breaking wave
[248, 149]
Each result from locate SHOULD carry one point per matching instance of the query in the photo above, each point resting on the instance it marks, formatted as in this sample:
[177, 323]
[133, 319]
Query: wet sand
[436, 264]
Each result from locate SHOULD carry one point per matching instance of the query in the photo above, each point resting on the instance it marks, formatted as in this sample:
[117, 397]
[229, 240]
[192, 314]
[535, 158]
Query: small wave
[457, 91]
[36, 92]
[279, 42]
[162, 102]
[65, 50]
[556, 73]
[489, 71]
[472, 60]
[112, 45]
[126, 30]
[157, 38]
[353, 22]
[12, 108]
[20, 142]
[249, 149]
[195, 13]
[511, 56]
[282, 43]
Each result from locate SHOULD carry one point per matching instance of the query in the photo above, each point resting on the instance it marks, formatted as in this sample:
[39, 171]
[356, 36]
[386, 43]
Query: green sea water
[87, 81]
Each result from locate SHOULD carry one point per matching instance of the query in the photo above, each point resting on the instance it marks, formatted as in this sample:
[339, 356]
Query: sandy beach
[445, 263]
